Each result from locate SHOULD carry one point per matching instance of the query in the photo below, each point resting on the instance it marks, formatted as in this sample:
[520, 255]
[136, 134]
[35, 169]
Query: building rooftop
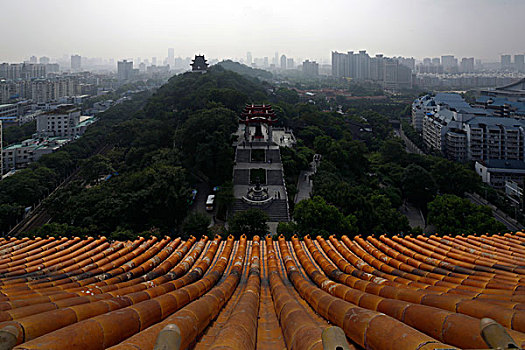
[508, 122]
[504, 164]
[39, 143]
[425, 293]
[63, 109]
[86, 121]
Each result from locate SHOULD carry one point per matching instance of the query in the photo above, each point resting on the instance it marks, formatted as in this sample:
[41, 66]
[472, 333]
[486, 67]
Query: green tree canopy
[454, 215]
[314, 216]
[249, 222]
[418, 185]
[196, 224]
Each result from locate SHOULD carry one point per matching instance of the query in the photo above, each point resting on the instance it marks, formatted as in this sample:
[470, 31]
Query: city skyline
[120, 29]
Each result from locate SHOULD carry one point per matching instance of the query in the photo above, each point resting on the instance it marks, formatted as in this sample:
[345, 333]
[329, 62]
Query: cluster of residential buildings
[54, 129]
[310, 68]
[391, 73]
[490, 132]
[462, 81]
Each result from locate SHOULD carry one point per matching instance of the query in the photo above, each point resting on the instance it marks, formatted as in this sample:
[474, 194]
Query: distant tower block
[199, 64]
[257, 115]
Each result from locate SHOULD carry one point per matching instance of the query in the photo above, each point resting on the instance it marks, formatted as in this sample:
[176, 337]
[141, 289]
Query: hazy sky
[229, 28]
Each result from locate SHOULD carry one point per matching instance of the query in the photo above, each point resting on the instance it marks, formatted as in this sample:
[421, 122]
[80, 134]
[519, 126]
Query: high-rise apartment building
[351, 65]
[249, 58]
[44, 60]
[290, 63]
[171, 58]
[124, 70]
[76, 62]
[60, 122]
[449, 63]
[377, 68]
[23, 71]
[467, 65]
[310, 68]
[519, 63]
[283, 62]
[396, 75]
[505, 62]
[339, 64]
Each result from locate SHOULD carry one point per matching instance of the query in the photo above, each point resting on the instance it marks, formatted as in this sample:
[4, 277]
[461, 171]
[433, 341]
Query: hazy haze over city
[227, 29]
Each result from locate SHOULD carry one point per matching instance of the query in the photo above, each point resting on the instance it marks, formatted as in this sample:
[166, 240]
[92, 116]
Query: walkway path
[305, 184]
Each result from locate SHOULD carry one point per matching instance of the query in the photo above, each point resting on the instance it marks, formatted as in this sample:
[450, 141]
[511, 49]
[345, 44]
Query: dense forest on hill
[162, 144]
[245, 70]
[184, 130]
[363, 181]
[28, 186]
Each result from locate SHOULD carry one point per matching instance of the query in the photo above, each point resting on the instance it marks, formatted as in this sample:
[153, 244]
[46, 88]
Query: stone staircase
[274, 177]
[277, 210]
[243, 156]
[273, 155]
[241, 177]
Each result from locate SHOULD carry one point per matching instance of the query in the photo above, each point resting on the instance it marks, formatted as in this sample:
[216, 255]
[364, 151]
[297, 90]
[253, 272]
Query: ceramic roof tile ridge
[137, 266]
[181, 274]
[26, 309]
[514, 239]
[105, 271]
[503, 296]
[476, 265]
[115, 319]
[36, 266]
[155, 266]
[464, 284]
[476, 257]
[487, 244]
[318, 319]
[410, 272]
[456, 265]
[10, 261]
[420, 279]
[365, 327]
[57, 294]
[497, 297]
[443, 266]
[42, 252]
[109, 254]
[432, 274]
[209, 335]
[194, 317]
[56, 267]
[299, 330]
[468, 280]
[473, 292]
[359, 268]
[506, 316]
[269, 332]
[499, 243]
[471, 249]
[446, 326]
[37, 247]
[83, 307]
[15, 245]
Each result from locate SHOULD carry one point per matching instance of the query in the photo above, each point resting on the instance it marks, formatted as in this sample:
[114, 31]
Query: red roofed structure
[257, 115]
